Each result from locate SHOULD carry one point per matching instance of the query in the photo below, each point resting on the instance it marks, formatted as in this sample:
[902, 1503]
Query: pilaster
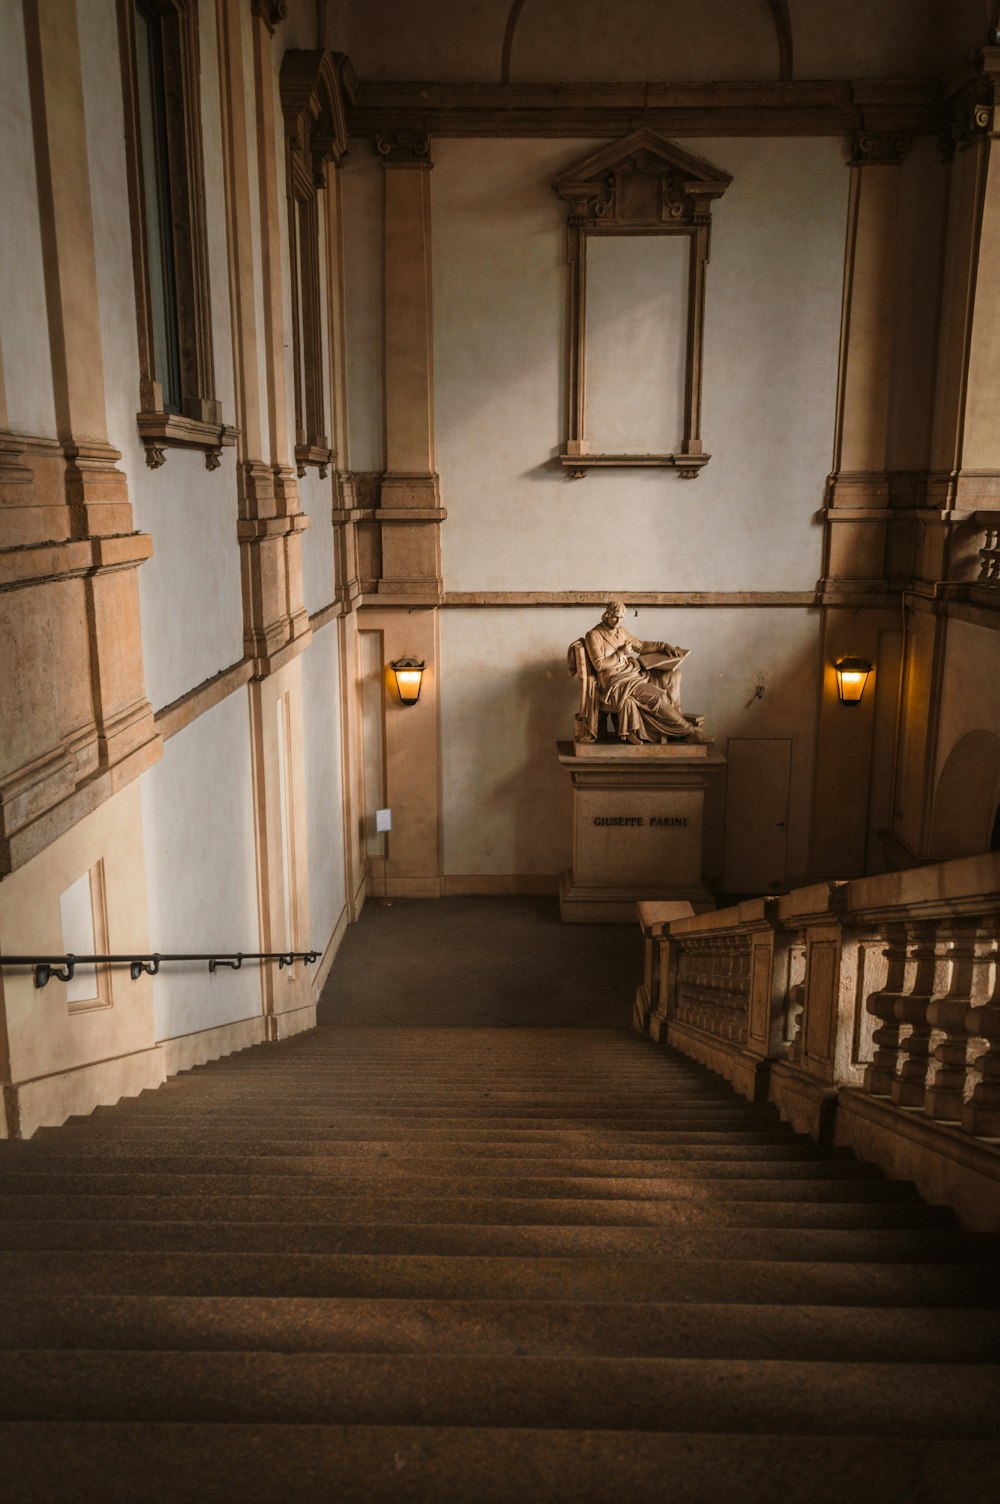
[410, 513]
[965, 444]
[269, 527]
[857, 509]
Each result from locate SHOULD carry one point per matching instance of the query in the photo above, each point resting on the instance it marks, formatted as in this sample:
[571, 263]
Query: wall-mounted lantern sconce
[852, 676]
[408, 673]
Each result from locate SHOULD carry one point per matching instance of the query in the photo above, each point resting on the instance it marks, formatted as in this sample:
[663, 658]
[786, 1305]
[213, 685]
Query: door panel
[757, 786]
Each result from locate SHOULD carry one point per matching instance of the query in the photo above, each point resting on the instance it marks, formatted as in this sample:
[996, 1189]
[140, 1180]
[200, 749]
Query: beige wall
[201, 869]
[772, 329]
[324, 785]
[361, 181]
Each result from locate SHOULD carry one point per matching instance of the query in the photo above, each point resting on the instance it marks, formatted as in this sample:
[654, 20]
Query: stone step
[275, 1464]
[62, 1153]
[818, 1182]
[578, 1393]
[502, 1327]
[388, 1169]
[368, 1112]
[293, 1236]
[295, 1206]
[528, 1278]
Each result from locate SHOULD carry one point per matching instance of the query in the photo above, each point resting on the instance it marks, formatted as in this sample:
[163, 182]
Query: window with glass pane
[157, 204]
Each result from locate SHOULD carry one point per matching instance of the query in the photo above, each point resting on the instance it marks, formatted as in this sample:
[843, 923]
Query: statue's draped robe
[645, 703]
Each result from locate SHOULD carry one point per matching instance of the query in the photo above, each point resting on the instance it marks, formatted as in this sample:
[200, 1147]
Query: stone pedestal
[637, 828]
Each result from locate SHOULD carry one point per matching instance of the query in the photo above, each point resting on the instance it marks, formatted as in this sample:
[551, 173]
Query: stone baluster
[795, 1000]
[880, 1075]
[949, 1016]
[928, 967]
[981, 1113]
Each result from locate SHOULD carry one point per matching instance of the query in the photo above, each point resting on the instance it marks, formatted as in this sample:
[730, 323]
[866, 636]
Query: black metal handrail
[62, 968]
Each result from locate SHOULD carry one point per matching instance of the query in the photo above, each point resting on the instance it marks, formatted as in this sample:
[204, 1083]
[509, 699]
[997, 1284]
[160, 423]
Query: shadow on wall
[966, 814]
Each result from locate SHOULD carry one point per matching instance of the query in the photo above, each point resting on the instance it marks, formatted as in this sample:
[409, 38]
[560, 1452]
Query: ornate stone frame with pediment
[315, 136]
[642, 184]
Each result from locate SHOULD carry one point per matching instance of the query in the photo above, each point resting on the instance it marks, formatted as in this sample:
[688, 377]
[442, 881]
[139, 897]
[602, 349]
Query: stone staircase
[477, 1266]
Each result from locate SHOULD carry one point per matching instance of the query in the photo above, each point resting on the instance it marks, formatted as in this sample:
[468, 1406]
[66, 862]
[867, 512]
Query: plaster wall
[192, 613]
[316, 499]
[25, 364]
[507, 698]
[197, 805]
[321, 714]
[40, 1034]
[361, 189]
[969, 699]
[772, 328]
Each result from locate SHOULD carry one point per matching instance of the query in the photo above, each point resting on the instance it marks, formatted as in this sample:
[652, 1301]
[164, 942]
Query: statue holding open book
[636, 682]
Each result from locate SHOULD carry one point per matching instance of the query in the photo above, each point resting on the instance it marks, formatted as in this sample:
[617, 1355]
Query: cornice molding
[777, 108]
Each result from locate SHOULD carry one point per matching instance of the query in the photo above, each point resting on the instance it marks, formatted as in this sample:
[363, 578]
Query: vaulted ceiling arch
[776, 9]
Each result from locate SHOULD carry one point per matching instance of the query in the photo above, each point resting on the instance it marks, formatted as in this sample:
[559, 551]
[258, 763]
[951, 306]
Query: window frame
[315, 136]
[190, 416]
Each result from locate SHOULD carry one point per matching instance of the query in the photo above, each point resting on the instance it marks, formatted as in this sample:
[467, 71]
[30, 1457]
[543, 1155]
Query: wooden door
[757, 785]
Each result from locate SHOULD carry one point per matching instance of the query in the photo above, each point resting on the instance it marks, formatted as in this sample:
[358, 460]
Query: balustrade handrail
[62, 968]
[884, 987]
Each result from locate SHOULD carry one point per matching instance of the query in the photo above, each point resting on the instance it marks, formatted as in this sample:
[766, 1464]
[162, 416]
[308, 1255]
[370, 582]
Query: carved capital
[879, 148]
[972, 124]
[271, 12]
[404, 149]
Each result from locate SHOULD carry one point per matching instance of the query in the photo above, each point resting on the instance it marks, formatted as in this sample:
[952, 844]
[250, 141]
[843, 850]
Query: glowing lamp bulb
[852, 676]
[409, 674]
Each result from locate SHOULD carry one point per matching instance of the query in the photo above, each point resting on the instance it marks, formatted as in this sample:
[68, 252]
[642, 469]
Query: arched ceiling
[556, 41]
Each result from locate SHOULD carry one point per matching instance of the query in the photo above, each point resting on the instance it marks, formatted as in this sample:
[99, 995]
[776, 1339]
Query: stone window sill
[312, 454]
[162, 431]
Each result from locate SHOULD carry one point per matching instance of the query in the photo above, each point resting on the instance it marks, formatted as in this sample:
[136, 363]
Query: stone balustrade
[868, 1012]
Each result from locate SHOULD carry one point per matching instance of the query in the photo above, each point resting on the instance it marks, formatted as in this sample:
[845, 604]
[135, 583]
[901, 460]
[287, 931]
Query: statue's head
[614, 612]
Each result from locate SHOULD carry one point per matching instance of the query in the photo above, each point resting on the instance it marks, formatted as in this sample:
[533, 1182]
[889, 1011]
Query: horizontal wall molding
[465, 598]
[326, 614]
[793, 108]
[181, 712]
[489, 884]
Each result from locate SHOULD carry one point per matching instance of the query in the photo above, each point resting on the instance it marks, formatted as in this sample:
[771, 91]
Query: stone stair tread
[291, 1236]
[341, 1172]
[684, 1185]
[724, 1144]
[273, 1464]
[512, 1327]
[534, 1277]
[566, 1393]
[476, 1210]
[588, 1269]
[472, 1161]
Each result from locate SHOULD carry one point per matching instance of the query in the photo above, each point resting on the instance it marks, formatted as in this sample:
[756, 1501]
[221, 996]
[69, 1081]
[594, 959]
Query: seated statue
[636, 682]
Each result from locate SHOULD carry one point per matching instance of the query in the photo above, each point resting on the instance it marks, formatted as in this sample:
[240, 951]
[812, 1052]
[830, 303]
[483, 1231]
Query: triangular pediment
[641, 180]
